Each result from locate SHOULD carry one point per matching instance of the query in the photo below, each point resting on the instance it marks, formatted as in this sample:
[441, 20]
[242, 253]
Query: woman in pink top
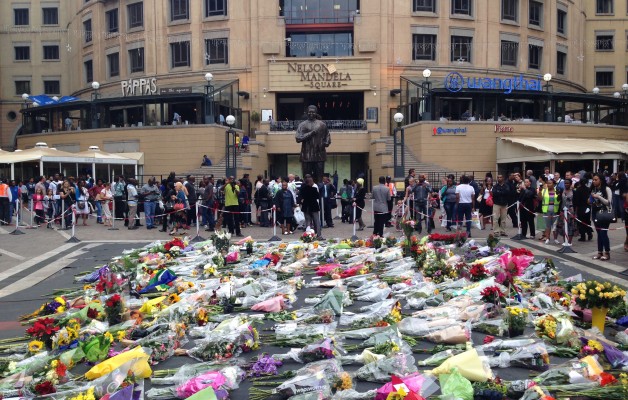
[38, 206]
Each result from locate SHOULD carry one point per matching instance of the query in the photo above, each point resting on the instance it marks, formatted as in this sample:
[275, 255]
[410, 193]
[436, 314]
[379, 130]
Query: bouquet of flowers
[556, 328]
[478, 272]
[391, 241]
[510, 267]
[492, 241]
[322, 349]
[439, 271]
[376, 241]
[221, 240]
[408, 226]
[249, 246]
[493, 295]
[114, 309]
[452, 238]
[592, 294]
[382, 370]
[516, 318]
[43, 330]
[308, 236]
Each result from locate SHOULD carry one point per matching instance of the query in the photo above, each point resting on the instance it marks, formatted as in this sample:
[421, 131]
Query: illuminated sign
[455, 82]
[319, 75]
[441, 131]
[504, 128]
[135, 87]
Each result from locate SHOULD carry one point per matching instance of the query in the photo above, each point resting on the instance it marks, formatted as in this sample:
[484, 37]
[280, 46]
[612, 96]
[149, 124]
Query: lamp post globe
[209, 76]
[616, 95]
[624, 87]
[427, 73]
[95, 85]
[230, 120]
[547, 77]
[398, 117]
[25, 96]
[55, 98]
[596, 90]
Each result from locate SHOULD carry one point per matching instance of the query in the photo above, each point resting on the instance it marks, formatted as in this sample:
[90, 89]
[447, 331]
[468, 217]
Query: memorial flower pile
[379, 318]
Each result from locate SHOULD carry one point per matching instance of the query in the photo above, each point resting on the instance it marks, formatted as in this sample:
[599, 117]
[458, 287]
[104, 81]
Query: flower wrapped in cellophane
[382, 370]
[323, 349]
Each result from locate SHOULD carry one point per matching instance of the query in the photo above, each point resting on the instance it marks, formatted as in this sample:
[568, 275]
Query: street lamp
[624, 87]
[209, 99]
[95, 96]
[230, 148]
[25, 97]
[426, 88]
[547, 78]
[549, 114]
[596, 118]
[399, 161]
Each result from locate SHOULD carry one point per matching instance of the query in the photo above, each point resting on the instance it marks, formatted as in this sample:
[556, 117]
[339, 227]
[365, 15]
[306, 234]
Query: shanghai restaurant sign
[319, 75]
[455, 82]
[139, 87]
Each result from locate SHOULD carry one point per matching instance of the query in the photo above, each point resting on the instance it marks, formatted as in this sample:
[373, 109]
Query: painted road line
[62, 233]
[12, 255]
[43, 257]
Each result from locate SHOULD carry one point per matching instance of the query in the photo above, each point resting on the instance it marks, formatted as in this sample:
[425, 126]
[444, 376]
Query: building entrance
[331, 105]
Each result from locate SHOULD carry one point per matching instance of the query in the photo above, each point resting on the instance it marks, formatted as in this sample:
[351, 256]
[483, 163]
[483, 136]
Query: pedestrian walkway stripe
[12, 255]
[33, 261]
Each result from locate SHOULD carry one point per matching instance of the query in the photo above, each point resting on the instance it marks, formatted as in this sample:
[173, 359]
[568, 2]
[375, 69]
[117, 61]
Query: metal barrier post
[566, 245]
[113, 215]
[197, 238]
[32, 211]
[275, 238]
[338, 209]
[372, 225]
[62, 214]
[17, 230]
[73, 238]
[354, 237]
[518, 235]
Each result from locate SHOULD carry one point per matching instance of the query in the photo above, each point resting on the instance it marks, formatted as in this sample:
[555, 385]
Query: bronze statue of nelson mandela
[314, 138]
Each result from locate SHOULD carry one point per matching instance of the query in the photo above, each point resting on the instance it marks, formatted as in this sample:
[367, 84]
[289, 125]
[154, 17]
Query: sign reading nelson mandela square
[455, 82]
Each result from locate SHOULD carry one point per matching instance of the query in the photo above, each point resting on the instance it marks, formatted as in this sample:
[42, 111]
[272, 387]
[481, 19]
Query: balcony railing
[332, 125]
[320, 17]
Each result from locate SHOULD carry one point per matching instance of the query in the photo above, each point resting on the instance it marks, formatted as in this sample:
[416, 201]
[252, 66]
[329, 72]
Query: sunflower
[35, 346]
[173, 298]
[108, 337]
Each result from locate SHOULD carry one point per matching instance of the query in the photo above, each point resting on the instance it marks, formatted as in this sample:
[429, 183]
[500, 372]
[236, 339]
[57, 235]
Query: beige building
[360, 62]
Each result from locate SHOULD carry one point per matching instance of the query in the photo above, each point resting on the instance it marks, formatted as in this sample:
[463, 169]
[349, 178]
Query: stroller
[398, 214]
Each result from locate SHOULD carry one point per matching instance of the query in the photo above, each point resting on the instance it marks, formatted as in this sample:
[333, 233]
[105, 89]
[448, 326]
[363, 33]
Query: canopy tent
[522, 149]
[43, 154]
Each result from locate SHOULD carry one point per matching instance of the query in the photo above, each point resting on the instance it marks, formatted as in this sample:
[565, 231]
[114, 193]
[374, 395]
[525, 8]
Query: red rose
[92, 313]
[45, 388]
[61, 369]
[521, 252]
[113, 300]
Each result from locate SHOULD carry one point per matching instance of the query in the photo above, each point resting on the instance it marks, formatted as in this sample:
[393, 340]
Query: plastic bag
[456, 386]
[299, 217]
[382, 370]
[475, 220]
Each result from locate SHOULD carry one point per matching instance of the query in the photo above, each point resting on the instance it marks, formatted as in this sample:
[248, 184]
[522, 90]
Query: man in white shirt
[465, 199]
[132, 202]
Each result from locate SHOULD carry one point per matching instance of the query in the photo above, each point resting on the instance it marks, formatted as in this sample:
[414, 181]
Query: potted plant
[598, 297]
[516, 318]
[255, 117]
[249, 246]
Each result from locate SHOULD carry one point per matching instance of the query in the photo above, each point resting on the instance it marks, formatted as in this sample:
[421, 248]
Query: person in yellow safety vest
[393, 194]
[5, 199]
[550, 199]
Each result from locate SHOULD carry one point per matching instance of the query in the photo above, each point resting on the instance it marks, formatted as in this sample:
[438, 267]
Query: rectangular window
[113, 60]
[603, 78]
[324, 44]
[604, 42]
[22, 87]
[51, 52]
[424, 47]
[136, 60]
[462, 7]
[535, 56]
[461, 47]
[561, 62]
[20, 16]
[52, 87]
[509, 53]
[22, 53]
[535, 13]
[179, 9]
[510, 10]
[215, 7]
[111, 18]
[424, 6]
[217, 51]
[180, 54]
[136, 15]
[89, 71]
[561, 23]
[604, 7]
[50, 15]
[87, 28]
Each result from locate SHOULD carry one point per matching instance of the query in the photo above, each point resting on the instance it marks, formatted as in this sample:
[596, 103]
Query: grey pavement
[37, 254]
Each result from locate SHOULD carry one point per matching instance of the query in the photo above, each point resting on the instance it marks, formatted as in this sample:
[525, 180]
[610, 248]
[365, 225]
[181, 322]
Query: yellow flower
[35, 346]
[173, 298]
[601, 294]
[591, 291]
[574, 291]
[121, 335]
[582, 297]
[108, 336]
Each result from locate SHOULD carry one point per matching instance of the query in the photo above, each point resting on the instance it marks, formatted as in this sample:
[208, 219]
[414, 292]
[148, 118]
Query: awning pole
[12, 171]
[41, 167]
[94, 172]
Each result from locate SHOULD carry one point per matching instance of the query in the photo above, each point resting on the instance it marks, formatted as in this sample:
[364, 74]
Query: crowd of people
[591, 201]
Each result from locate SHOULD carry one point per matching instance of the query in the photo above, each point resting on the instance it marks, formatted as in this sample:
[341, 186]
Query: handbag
[80, 204]
[489, 201]
[178, 207]
[605, 217]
